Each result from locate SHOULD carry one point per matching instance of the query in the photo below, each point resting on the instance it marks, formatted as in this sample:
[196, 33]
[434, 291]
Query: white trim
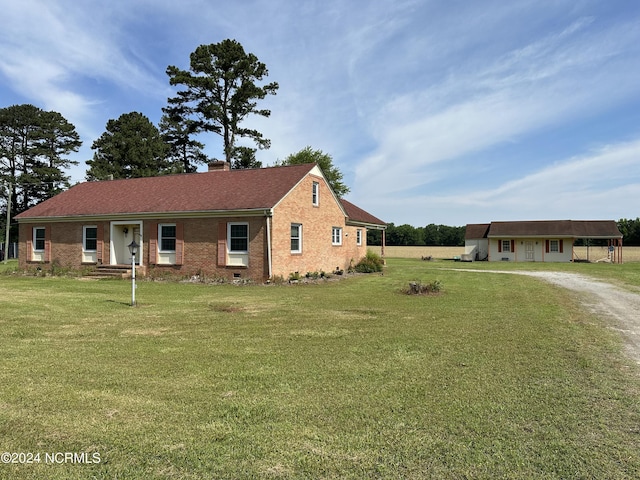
[229, 225]
[84, 239]
[237, 258]
[336, 236]
[160, 237]
[299, 237]
[112, 236]
[44, 242]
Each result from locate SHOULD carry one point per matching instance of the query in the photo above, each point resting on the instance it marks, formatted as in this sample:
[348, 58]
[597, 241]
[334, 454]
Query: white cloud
[546, 83]
[599, 185]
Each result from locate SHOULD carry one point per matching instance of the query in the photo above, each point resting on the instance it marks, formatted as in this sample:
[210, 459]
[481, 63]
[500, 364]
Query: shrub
[370, 263]
[419, 288]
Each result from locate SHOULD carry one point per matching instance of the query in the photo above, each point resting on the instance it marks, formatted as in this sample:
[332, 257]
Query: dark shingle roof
[547, 228]
[476, 230]
[356, 214]
[194, 192]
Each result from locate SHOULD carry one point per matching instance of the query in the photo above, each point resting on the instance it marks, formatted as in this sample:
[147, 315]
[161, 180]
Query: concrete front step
[111, 271]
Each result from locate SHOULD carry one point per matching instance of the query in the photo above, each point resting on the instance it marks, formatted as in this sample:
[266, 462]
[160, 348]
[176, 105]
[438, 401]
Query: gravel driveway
[620, 307]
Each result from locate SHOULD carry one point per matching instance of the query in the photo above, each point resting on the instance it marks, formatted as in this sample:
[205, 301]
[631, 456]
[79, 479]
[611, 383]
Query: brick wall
[201, 249]
[200, 235]
[200, 246]
[318, 253]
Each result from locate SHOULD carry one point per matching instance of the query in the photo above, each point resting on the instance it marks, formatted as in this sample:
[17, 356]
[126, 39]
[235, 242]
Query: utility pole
[8, 226]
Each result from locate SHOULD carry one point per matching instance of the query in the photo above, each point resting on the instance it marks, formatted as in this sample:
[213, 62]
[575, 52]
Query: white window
[90, 238]
[359, 237]
[554, 246]
[38, 239]
[238, 237]
[336, 236]
[167, 237]
[506, 245]
[315, 193]
[296, 238]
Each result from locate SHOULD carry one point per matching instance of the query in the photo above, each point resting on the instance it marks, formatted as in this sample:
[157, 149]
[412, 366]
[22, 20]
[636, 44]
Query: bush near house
[372, 262]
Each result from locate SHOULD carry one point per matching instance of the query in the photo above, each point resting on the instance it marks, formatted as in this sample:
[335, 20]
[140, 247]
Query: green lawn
[497, 377]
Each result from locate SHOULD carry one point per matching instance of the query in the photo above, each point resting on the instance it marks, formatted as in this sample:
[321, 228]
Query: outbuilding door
[529, 251]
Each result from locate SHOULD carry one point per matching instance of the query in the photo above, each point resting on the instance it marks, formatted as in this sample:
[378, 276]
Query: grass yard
[496, 377]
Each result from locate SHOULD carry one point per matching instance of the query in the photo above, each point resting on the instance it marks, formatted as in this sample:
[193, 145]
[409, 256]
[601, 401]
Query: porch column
[384, 262]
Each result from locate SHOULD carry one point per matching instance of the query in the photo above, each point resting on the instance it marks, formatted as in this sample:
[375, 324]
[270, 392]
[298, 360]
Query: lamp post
[133, 248]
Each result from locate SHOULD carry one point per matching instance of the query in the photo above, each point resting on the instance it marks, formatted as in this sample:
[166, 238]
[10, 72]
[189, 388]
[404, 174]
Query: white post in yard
[133, 248]
[133, 280]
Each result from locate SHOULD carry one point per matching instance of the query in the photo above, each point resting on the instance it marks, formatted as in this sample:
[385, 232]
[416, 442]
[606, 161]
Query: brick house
[538, 241]
[256, 223]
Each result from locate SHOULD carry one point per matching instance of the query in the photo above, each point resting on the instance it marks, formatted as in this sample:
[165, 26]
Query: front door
[122, 234]
[528, 251]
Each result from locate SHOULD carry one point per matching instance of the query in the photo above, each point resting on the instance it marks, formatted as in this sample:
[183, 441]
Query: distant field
[629, 254]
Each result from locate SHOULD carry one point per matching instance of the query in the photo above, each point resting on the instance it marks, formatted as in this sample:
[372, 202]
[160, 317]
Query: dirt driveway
[621, 308]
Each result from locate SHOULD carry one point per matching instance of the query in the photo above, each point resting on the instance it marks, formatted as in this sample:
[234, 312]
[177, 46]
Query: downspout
[268, 214]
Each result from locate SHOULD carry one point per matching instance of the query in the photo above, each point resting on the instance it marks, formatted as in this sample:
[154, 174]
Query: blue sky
[443, 111]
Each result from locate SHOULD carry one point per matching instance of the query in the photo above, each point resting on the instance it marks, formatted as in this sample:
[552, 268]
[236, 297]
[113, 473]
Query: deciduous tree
[131, 147]
[325, 162]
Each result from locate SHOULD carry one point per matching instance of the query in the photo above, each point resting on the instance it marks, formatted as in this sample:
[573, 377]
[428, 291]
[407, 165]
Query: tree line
[443, 235]
[219, 91]
[407, 235]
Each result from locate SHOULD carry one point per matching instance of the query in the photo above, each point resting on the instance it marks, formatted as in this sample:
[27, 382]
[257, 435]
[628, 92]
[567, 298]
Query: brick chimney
[219, 165]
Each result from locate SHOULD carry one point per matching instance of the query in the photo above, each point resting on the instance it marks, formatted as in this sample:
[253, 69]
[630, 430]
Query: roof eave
[249, 212]
[372, 226]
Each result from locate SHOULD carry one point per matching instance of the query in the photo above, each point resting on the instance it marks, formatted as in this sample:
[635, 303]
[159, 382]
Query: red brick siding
[200, 248]
[199, 252]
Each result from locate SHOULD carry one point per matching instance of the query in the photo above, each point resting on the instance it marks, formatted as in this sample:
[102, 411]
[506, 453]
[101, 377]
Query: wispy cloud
[600, 184]
[50, 50]
[547, 82]
[409, 97]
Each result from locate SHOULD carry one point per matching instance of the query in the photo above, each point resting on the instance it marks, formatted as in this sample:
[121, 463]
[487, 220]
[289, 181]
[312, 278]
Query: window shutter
[99, 242]
[222, 244]
[47, 244]
[546, 246]
[513, 246]
[499, 246]
[153, 243]
[561, 245]
[29, 250]
[179, 244]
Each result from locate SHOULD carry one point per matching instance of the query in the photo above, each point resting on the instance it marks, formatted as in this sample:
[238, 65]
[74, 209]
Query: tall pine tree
[34, 149]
